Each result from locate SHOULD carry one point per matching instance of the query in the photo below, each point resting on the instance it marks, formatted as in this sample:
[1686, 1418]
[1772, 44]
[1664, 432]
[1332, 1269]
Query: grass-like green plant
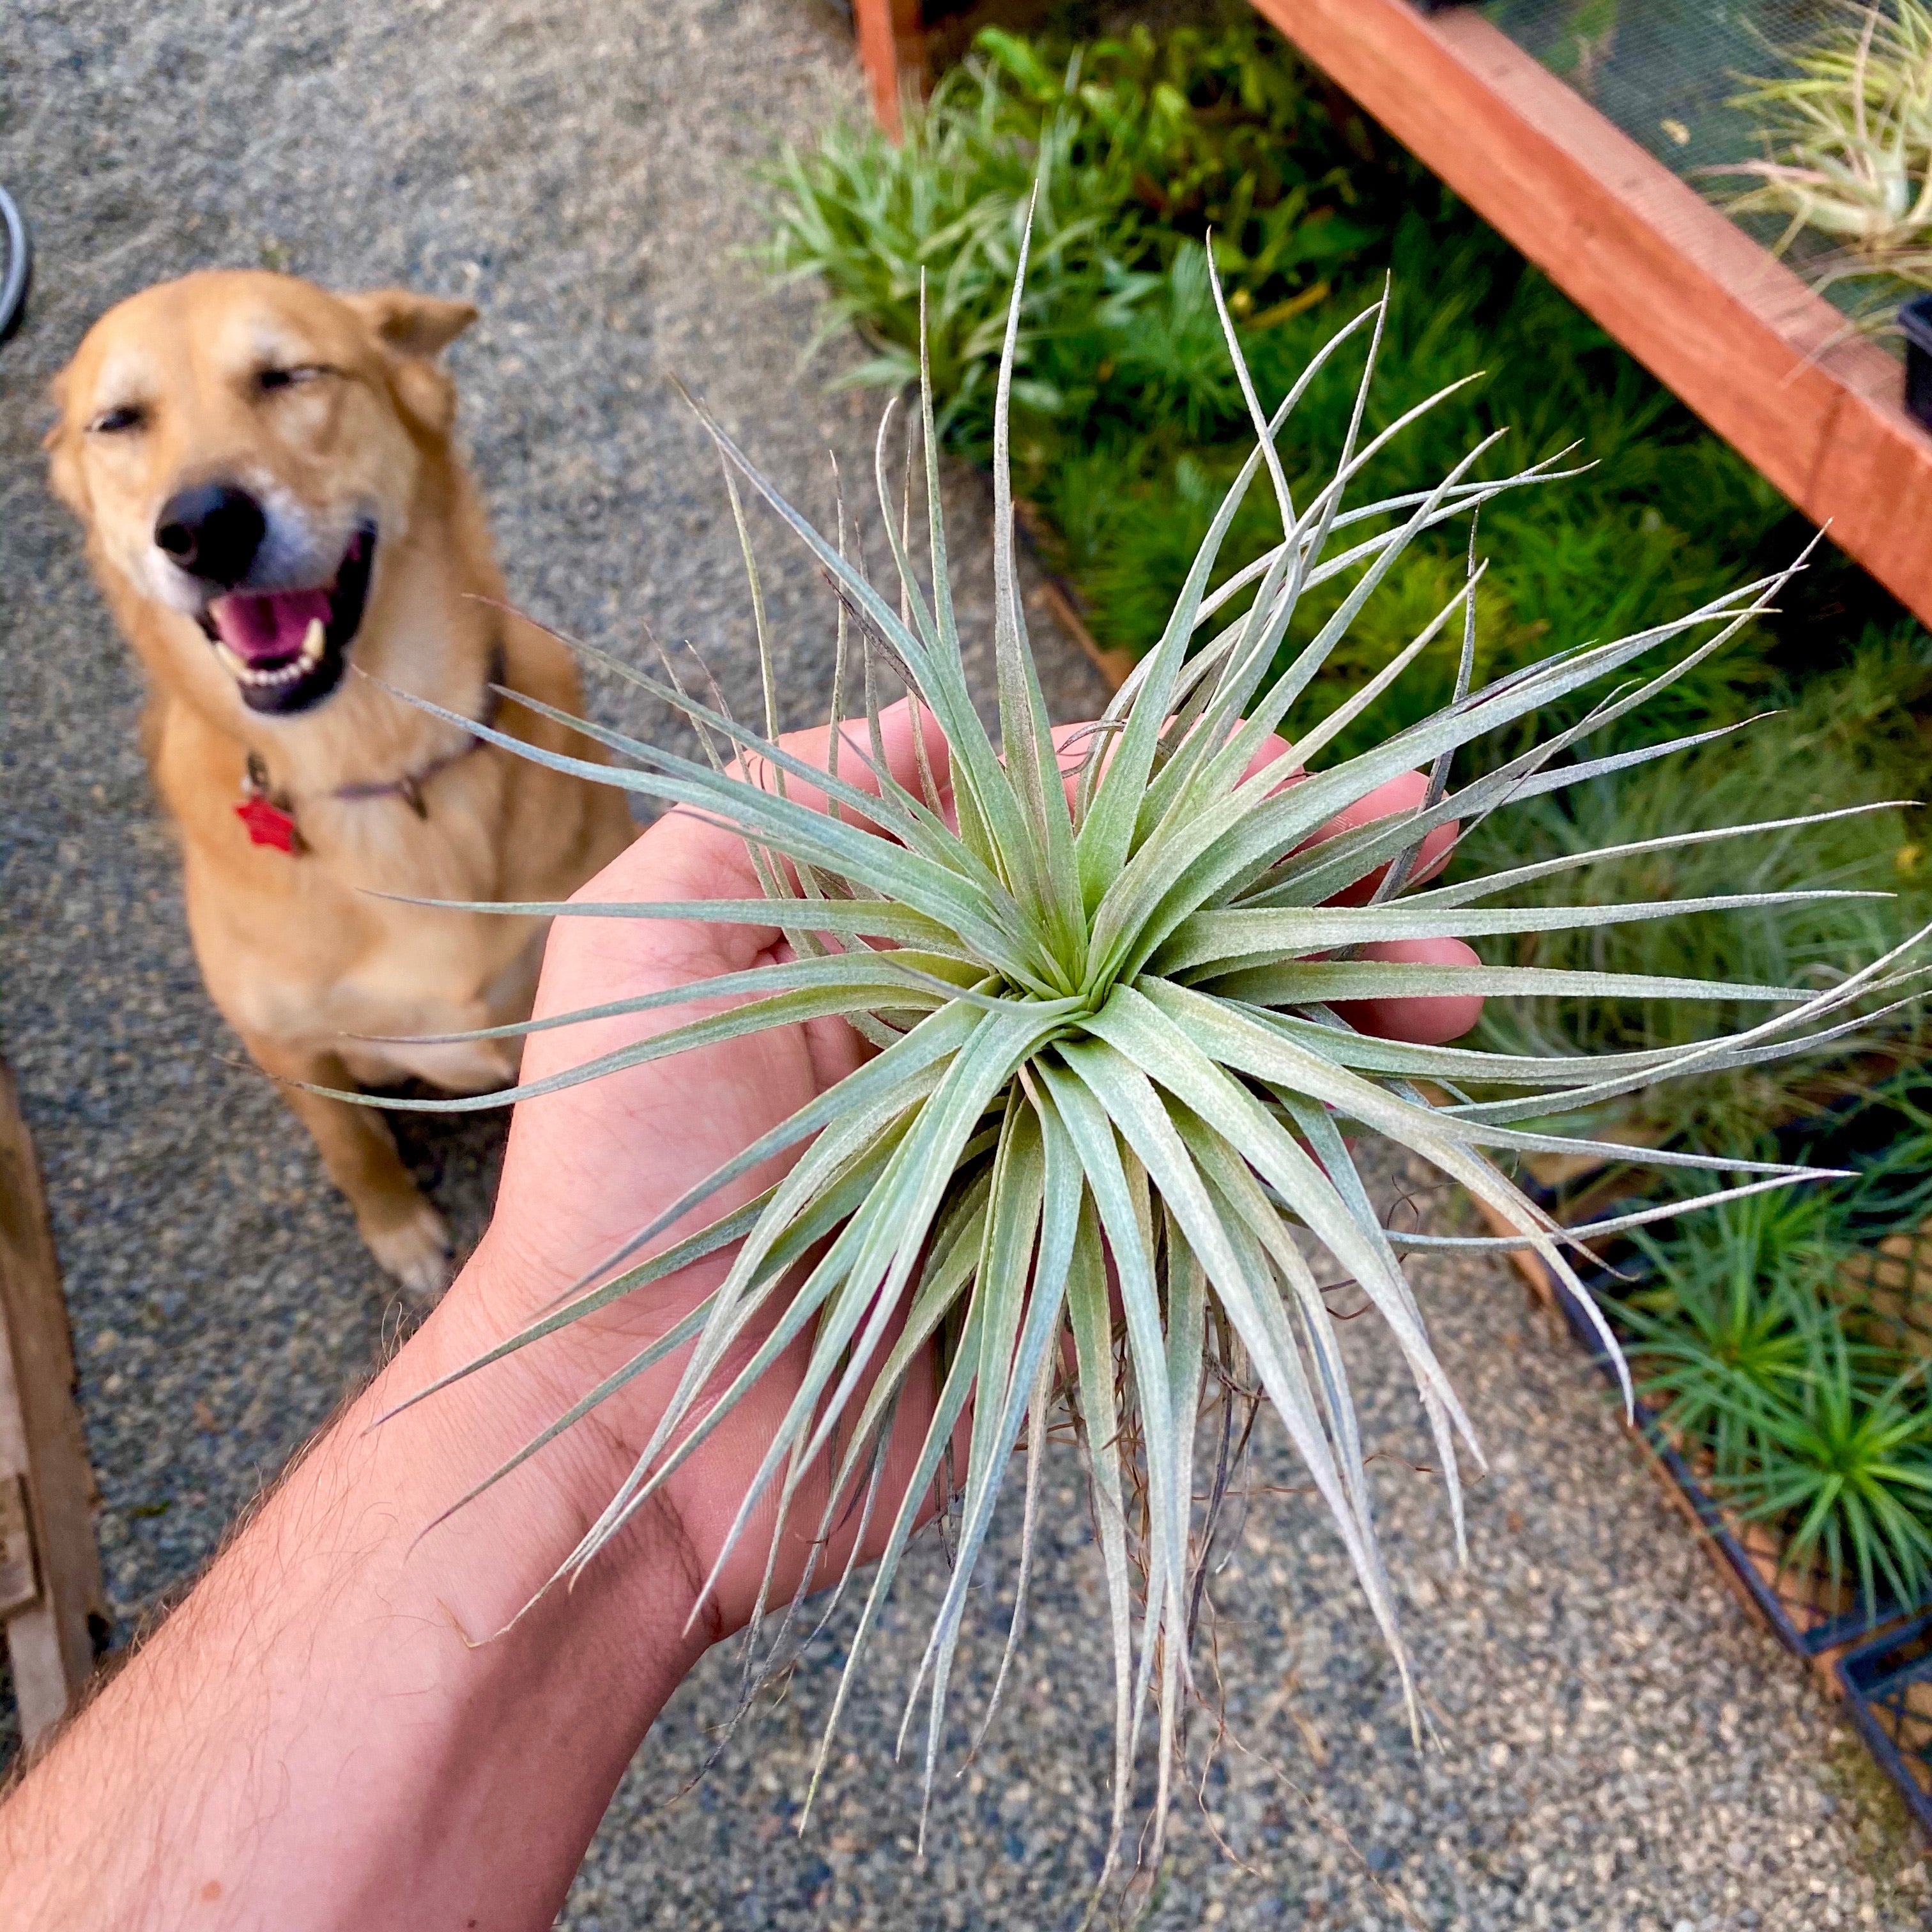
[1649, 528]
[1113, 1083]
[1824, 1436]
[1841, 1453]
[1137, 148]
[1718, 1335]
[1127, 423]
[1848, 136]
[1749, 1333]
[1849, 736]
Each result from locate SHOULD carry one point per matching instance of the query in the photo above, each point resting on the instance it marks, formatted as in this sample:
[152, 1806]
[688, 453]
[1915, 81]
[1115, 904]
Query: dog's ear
[63, 458]
[412, 325]
[412, 330]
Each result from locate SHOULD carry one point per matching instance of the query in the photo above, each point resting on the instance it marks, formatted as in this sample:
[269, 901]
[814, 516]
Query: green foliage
[1848, 739]
[1127, 423]
[1139, 147]
[1841, 1456]
[1805, 1407]
[1722, 1318]
[1649, 523]
[1825, 1436]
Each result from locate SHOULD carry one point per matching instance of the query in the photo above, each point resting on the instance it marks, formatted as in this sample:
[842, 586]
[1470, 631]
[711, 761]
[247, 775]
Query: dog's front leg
[408, 1238]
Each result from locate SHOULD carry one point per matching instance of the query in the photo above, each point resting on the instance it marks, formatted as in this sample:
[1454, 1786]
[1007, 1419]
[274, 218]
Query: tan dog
[271, 495]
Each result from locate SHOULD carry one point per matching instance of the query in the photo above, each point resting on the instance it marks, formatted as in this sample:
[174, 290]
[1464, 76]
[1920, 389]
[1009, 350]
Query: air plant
[1113, 1080]
[1848, 137]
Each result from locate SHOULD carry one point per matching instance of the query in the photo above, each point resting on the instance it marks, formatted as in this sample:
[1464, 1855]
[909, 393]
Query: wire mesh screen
[1888, 1289]
[1667, 73]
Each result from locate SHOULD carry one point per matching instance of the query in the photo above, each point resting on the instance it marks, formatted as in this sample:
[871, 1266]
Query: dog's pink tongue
[264, 629]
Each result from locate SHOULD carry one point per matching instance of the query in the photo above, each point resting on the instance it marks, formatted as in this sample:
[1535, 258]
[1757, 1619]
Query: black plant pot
[1915, 321]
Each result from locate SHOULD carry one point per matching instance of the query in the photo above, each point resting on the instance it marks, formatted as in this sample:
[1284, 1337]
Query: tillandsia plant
[1848, 136]
[1112, 1084]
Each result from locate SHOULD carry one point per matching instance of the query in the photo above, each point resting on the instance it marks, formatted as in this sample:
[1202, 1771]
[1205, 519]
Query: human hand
[319, 1737]
[588, 1166]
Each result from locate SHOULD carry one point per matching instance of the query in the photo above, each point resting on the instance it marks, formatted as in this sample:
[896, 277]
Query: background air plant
[1848, 141]
[1109, 1103]
[1825, 1436]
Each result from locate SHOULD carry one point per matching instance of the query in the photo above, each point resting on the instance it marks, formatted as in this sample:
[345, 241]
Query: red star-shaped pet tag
[268, 824]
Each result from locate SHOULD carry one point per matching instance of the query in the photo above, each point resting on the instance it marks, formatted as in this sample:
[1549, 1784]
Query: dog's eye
[287, 378]
[117, 422]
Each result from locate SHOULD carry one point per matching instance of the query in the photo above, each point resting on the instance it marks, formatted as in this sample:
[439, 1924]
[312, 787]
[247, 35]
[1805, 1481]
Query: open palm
[588, 1166]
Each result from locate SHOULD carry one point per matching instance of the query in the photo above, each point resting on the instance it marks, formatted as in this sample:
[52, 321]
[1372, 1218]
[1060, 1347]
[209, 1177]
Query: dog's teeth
[314, 642]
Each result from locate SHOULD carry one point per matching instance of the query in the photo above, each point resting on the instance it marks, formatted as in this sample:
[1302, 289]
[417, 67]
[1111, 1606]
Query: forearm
[320, 1736]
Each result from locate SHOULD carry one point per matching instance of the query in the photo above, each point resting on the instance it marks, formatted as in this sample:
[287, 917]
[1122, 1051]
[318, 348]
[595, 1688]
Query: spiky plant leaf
[1110, 1104]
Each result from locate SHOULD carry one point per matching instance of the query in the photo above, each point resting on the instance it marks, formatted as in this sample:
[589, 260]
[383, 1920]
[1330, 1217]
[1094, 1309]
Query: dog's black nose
[213, 530]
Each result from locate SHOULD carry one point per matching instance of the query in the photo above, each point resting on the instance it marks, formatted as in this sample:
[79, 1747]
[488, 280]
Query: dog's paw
[417, 1251]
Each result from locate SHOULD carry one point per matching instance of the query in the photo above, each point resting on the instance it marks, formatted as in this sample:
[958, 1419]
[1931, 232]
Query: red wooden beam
[891, 51]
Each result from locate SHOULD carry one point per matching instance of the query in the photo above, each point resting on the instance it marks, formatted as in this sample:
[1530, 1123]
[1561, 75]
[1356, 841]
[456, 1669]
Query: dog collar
[269, 815]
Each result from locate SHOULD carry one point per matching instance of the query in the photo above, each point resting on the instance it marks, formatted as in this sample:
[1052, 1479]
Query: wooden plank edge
[50, 1642]
[891, 51]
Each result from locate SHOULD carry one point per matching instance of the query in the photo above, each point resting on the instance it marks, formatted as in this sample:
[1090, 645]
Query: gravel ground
[1618, 1748]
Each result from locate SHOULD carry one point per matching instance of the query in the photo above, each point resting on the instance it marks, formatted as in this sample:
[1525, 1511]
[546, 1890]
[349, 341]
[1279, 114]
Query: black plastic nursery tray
[1885, 1677]
[1887, 1689]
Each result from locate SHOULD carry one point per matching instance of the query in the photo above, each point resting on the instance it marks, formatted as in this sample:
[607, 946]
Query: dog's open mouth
[287, 650]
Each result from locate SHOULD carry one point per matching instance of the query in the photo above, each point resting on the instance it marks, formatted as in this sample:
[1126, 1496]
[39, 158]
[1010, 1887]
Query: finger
[901, 726]
[1426, 1022]
[1404, 793]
